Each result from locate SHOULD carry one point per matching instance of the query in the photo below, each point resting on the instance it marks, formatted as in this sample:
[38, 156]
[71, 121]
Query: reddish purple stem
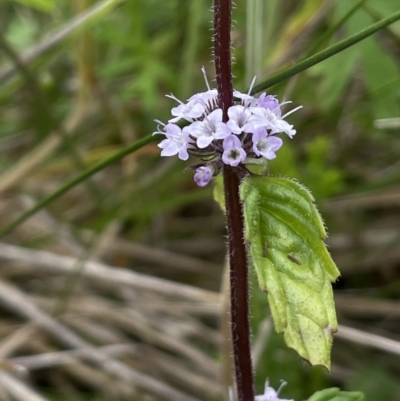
[239, 284]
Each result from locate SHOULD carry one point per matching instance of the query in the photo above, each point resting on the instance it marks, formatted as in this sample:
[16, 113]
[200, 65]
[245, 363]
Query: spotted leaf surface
[285, 235]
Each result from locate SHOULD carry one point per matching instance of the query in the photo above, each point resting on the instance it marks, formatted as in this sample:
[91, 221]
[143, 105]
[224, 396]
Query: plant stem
[239, 284]
[222, 53]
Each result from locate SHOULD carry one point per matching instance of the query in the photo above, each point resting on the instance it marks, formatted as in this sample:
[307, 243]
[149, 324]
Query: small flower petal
[222, 131]
[187, 111]
[204, 140]
[269, 102]
[205, 98]
[238, 118]
[209, 129]
[246, 99]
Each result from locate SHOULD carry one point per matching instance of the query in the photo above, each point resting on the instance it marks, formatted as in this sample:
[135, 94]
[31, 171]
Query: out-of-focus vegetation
[80, 80]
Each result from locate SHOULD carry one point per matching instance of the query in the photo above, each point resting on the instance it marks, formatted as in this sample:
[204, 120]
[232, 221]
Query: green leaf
[285, 235]
[334, 394]
[218, 192]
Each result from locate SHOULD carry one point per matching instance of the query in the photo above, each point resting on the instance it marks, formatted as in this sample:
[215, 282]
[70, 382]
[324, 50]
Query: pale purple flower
[283, 126]
[270, 394]
[243, 96]
[203, 175]
[258, 119]
[247, 100]
[238, 119]
[209, 129]
[176, 141]
[269, 102]
[264, 145]
[233, 151]
[205, 98]
[268, 119]
[188, 111]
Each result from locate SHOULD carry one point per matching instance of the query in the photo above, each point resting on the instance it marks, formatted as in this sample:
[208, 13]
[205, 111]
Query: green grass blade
[77, 180]
[325, 54]
[331, 31]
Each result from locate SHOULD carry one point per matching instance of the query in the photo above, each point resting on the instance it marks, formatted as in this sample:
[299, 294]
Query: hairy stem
[222, 53]
[239, 285]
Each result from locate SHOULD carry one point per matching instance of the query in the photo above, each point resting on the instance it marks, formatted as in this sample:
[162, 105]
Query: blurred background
[117, 290]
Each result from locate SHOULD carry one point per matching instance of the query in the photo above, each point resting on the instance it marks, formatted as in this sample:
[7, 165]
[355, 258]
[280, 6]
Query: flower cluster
[250, 132]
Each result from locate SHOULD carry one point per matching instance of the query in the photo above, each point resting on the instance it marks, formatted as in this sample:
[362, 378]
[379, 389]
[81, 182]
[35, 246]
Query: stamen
[160, 122]
[283, 384]
[251, 85]
[171, 96]
[291, 111]
[203, 70]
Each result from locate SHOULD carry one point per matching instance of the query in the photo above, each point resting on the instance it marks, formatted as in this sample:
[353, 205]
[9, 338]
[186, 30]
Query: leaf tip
[330, 330]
